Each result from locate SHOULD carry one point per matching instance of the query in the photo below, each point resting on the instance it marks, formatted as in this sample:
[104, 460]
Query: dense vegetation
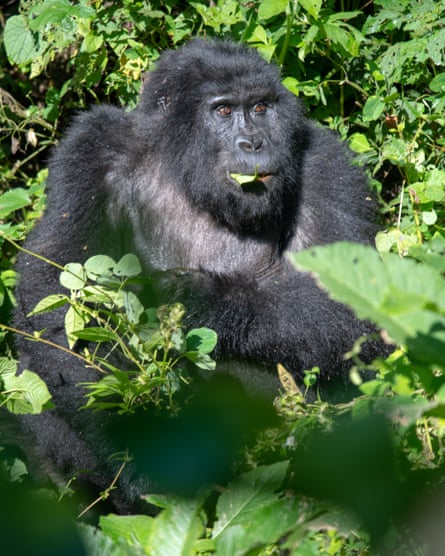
[350, 479]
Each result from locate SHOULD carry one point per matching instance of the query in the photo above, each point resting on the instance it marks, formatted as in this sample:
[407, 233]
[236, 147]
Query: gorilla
[211, 180]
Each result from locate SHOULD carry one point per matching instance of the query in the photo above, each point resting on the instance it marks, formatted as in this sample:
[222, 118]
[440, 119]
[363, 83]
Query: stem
[31, 253]
[104, 495]
[54, 345]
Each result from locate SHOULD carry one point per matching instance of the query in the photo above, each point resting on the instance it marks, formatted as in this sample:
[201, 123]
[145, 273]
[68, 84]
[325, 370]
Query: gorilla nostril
[249, 143]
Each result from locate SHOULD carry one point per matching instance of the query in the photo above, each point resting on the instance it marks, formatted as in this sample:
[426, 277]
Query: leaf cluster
[142, 352]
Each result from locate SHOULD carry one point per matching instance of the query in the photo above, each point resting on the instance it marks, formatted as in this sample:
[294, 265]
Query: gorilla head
[227, 109]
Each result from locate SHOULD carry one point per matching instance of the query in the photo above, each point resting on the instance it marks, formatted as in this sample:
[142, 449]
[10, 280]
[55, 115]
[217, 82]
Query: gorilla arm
[281, 317]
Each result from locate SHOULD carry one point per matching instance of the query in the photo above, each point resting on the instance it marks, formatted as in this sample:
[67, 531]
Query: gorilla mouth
[250, 179]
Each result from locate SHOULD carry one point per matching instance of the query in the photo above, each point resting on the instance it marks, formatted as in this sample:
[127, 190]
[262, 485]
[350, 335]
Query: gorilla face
[246, 185]
[245, 128]
[235, 125]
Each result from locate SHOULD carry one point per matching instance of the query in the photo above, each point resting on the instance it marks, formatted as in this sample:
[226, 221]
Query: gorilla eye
[260, 108]
[224, 110]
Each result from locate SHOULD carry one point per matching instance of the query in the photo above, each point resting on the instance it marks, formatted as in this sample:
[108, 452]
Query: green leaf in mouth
[241, 179]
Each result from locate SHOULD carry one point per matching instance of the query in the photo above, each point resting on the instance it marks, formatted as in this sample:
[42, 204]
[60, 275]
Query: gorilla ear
[157, 102]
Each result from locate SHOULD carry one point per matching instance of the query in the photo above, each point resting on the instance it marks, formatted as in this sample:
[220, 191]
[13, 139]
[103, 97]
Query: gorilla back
[211, 180]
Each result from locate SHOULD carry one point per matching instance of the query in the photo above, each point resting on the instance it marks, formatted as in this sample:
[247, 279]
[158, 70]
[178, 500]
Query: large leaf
[49, 303]
[134, 529]
[23, 393]
[13, 200]
[399, 295]
[128, 265]
[73, 276]
[176, 529]
[271, 8]
[251, 512]
[201, 339]
[19, 41]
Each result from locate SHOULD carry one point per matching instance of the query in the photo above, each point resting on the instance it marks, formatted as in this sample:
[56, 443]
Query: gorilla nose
[249, 143]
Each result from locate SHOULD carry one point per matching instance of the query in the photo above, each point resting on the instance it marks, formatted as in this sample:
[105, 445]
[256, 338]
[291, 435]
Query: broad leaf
[73, 276]
[128, 265]
[13, 200]
[202, 340]
[19, 41]
[176, 529]
[399, 295]
[251, 512]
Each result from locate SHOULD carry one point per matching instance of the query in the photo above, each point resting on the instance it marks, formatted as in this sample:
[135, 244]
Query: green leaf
[133, 307]
[202, 340]
[23, 393]
[201, 360]
[54, 12]
[95, 334]
[134, 529]
[429, 217]
[100, 265]
[438, 83]
[92, 42]
[73, 277]
[359, 143]
[251, 512]
[373, 108]
[19, 41]
[13, 200]
[241, 179]
[49, 303]
[271, 8]
[312, 7]
[74, 322]
[399, 295]
[129, 265]
[176, 529]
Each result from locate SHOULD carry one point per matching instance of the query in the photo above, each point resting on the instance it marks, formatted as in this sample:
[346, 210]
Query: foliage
[375, 73]
[141, 350]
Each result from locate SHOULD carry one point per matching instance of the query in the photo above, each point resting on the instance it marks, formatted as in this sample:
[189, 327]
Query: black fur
[155, 182]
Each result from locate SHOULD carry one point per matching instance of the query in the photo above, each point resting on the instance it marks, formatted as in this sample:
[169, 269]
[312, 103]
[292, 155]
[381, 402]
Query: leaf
[100, 265]
[134, 529]
[271, 8]
[438, 83]
[54, 12]
[251, 512]
[399, 295]
[133, 307]
[359, 143]
[24, 393]
[312, 7]
[13, 200]
[49, 303]
[73, 277]
[201, 360]
[201, 339]
[129, 265]
[74, 322]
[373, 108]
[95, 334]
[19, 41]
[177, 528]
[242, 179]
[429, 217]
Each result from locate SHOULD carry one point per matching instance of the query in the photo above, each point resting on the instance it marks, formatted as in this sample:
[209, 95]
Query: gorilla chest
[192, 240]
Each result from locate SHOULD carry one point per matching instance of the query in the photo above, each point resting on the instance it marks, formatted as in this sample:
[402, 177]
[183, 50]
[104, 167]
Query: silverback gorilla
[159, 181]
